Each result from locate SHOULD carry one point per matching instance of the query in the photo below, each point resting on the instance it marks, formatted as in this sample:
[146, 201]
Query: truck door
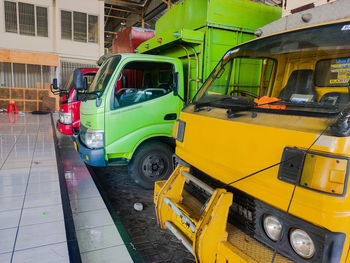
[142, 105]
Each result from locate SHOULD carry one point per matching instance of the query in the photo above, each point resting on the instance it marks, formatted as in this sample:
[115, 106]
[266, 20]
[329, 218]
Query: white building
[41, 39]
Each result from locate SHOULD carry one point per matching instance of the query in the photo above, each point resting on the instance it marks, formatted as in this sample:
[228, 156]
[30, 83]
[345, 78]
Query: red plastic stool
[12, 107]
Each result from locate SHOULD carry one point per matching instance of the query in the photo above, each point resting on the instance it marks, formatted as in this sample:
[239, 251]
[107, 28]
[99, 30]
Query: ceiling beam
[127, 3]
[135, 11]
[123, 18]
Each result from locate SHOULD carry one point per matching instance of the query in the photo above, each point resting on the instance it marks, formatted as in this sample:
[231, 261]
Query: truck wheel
[150, 163]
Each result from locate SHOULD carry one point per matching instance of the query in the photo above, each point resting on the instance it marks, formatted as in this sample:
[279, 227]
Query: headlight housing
[93, 138]
[272, 227]
[302, 243]
[65, 118]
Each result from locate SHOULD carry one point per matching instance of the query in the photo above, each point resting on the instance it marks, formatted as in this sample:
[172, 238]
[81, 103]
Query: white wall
[28, 43]
[53, 43]
[69, 48]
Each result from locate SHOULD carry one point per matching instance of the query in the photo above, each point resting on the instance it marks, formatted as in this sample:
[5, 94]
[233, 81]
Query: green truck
[130, 108]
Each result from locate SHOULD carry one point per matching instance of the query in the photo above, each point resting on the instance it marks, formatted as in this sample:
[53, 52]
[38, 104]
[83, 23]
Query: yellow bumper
[203, 229]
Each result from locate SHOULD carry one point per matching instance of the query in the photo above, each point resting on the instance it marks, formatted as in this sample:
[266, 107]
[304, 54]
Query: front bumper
[66, 129]
[93, 157]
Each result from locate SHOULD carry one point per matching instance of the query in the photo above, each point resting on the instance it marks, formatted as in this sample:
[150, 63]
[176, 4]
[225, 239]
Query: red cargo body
[70, 105]
[130, 38]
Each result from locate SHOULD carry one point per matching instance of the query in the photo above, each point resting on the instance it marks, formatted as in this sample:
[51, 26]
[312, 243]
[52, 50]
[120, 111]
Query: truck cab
[128, 116]
[264, 178]
[69, 113]
[129, 110]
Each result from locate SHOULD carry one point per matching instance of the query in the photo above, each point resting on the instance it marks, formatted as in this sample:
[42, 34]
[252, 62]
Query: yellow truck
[264, 178]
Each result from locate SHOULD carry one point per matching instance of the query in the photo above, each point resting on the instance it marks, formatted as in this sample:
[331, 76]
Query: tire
[150, 163]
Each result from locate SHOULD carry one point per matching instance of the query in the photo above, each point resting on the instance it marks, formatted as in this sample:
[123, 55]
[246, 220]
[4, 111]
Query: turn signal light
[324, 173]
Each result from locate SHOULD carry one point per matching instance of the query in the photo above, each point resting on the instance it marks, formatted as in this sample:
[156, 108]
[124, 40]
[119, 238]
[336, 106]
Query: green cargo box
[200, 32]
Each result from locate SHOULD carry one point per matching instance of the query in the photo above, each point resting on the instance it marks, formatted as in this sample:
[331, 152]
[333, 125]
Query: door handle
[170, 116]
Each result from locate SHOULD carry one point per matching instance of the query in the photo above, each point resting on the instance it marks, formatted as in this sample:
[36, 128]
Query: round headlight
[272, 227]
[302, 243]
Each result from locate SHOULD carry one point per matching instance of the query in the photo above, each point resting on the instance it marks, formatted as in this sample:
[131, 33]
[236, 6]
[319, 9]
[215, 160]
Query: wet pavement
[151, 243]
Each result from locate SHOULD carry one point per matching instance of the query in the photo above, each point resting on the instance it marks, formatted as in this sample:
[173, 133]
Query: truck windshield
[69, 84]
[303, 70]
[103, 75]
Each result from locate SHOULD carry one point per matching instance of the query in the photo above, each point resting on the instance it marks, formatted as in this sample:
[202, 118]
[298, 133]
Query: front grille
[247, 213]
[243, 212]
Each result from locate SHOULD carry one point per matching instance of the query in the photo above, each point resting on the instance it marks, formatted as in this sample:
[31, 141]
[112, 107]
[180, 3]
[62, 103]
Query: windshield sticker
[342, 68]
[337, 81]
[345, 28]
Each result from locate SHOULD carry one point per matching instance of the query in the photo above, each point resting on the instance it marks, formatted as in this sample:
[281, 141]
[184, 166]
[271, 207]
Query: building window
[93, 29]
[41, 21]
[26, 19]
[10, 17]
[32, 20]
[79, 26]
[66, 25]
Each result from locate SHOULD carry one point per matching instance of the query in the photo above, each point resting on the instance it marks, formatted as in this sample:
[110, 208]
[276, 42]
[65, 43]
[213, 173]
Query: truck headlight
[65, 118]
[272, 227]
[93, 138]
[302, 243]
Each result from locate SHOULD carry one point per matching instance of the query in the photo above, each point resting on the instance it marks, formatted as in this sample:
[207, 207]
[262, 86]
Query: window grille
[66, 25]
[19, 74]
[79, 24]
[48, 74]
[93, 29]
[41, 21]
[10, 17]
[34, 76]
[26, 19]
[68, 67]
[5, 74]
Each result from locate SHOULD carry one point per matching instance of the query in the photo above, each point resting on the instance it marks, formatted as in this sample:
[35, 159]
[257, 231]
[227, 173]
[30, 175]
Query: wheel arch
[164, 139]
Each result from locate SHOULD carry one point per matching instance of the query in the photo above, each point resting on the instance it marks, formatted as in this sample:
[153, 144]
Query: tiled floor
[32, 225]
[32, 222]
[97, 235]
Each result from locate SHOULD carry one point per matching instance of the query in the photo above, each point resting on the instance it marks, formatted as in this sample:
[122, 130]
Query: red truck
[125, 41]
[69, 115]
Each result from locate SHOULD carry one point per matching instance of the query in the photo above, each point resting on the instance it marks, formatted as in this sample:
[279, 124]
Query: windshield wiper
[239, 103]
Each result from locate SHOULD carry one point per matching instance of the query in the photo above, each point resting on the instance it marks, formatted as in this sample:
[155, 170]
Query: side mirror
[54, 84]
[78, 80]
[175, 84]
[54, 88]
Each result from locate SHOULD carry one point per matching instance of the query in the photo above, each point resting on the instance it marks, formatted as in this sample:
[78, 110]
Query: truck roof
[301, 28]
[323, 14]
[138, 56]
